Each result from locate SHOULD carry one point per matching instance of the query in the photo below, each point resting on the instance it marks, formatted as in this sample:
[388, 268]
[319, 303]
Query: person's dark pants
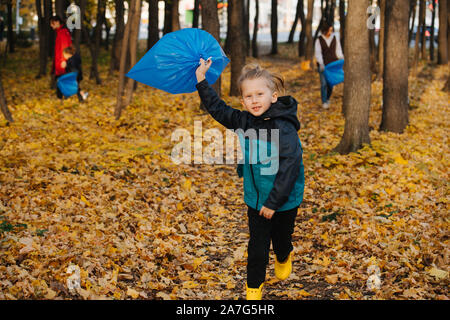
[325, 89]
[277, 230]
[58, 92]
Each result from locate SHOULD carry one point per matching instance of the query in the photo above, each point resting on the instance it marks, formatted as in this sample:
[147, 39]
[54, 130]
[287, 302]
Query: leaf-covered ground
[80, 188]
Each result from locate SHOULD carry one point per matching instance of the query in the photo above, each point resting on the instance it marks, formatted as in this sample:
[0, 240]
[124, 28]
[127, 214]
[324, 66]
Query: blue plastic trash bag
[67, 84]
[171, 63]
[334, 72]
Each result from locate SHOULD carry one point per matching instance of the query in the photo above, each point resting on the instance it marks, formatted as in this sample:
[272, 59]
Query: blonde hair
[275, 81]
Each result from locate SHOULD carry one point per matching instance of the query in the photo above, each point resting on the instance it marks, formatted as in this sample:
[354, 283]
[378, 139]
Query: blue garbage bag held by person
[171, 63]
[334, 72]
[68, 84]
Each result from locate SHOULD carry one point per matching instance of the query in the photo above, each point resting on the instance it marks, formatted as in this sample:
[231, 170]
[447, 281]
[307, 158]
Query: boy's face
[55, 25]
[66, 55]
[257, 96]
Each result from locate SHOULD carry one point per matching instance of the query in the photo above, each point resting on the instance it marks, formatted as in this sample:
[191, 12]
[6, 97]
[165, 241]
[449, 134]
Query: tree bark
[196, 16]
[171, 16]
[412, 8]
[342, 22]
[308, 30]
[419, 31]
[395, 78]
[246, 23]
[274, 26]
[357, 84]
[433, 18]
[167, 16]
[43, 43]
[423, 38]
[10, 34]
[443, 32]
[134, 33]
[118, 36]
[294, 24]
[255, 52]
[127, 42]
[372, 49]
[61, 8]
[210, 23]
[175, 15]
[301, 40]
[153, 31]
[95, 51]
[77, 32]
[3, 104]
[238, 47]
[381, 39]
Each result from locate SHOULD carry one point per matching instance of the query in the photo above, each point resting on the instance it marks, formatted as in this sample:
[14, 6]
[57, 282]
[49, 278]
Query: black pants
[279, 230]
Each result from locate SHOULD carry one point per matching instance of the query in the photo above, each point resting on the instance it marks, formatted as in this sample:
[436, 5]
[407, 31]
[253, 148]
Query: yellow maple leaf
[133, 293]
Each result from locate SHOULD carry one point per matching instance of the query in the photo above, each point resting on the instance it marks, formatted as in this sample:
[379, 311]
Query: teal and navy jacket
[272, 164]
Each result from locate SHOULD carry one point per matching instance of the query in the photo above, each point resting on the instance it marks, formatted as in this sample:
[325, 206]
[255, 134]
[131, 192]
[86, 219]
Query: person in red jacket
[62, 41]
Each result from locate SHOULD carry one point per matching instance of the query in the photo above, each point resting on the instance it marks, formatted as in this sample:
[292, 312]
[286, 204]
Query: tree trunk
[133, 46]
[308, 30]
[43, 43]
[246, 23]
[301, 40]
[294, 24]
[372, 50]
[107, 26]
[167, 16]
[153, 31]
[395, 78]
[433, 18]
[101, 7]
[210, 23]
[255, 52]
[3, 104]
[412, 8]
[77, 32]
[123, 57]
[342, 23]
[274, 26]
[357, 84]
[381, 39]
[61, 8]
[419, 31]
[238, 47]
[48, 12]
[423, 38]
[10, 35]
[118, 36]
[171, 16]
[227, 47]
[442, 36]
[196, 16]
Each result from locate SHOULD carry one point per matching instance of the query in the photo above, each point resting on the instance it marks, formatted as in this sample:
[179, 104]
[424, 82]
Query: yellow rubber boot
[254, 293]
[283, 270]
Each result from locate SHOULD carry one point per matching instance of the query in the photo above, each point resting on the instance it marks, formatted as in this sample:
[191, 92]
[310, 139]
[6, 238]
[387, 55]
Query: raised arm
[227, 116]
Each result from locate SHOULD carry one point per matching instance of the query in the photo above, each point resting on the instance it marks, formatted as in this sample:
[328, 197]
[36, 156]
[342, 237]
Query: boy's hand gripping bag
[171, 63]
[67, 84]
[334, 72]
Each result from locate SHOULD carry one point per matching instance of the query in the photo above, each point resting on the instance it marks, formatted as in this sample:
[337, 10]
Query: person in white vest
[327, 49]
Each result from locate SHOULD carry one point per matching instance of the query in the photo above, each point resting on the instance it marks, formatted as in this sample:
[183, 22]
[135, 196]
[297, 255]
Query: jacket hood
[286, 108]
